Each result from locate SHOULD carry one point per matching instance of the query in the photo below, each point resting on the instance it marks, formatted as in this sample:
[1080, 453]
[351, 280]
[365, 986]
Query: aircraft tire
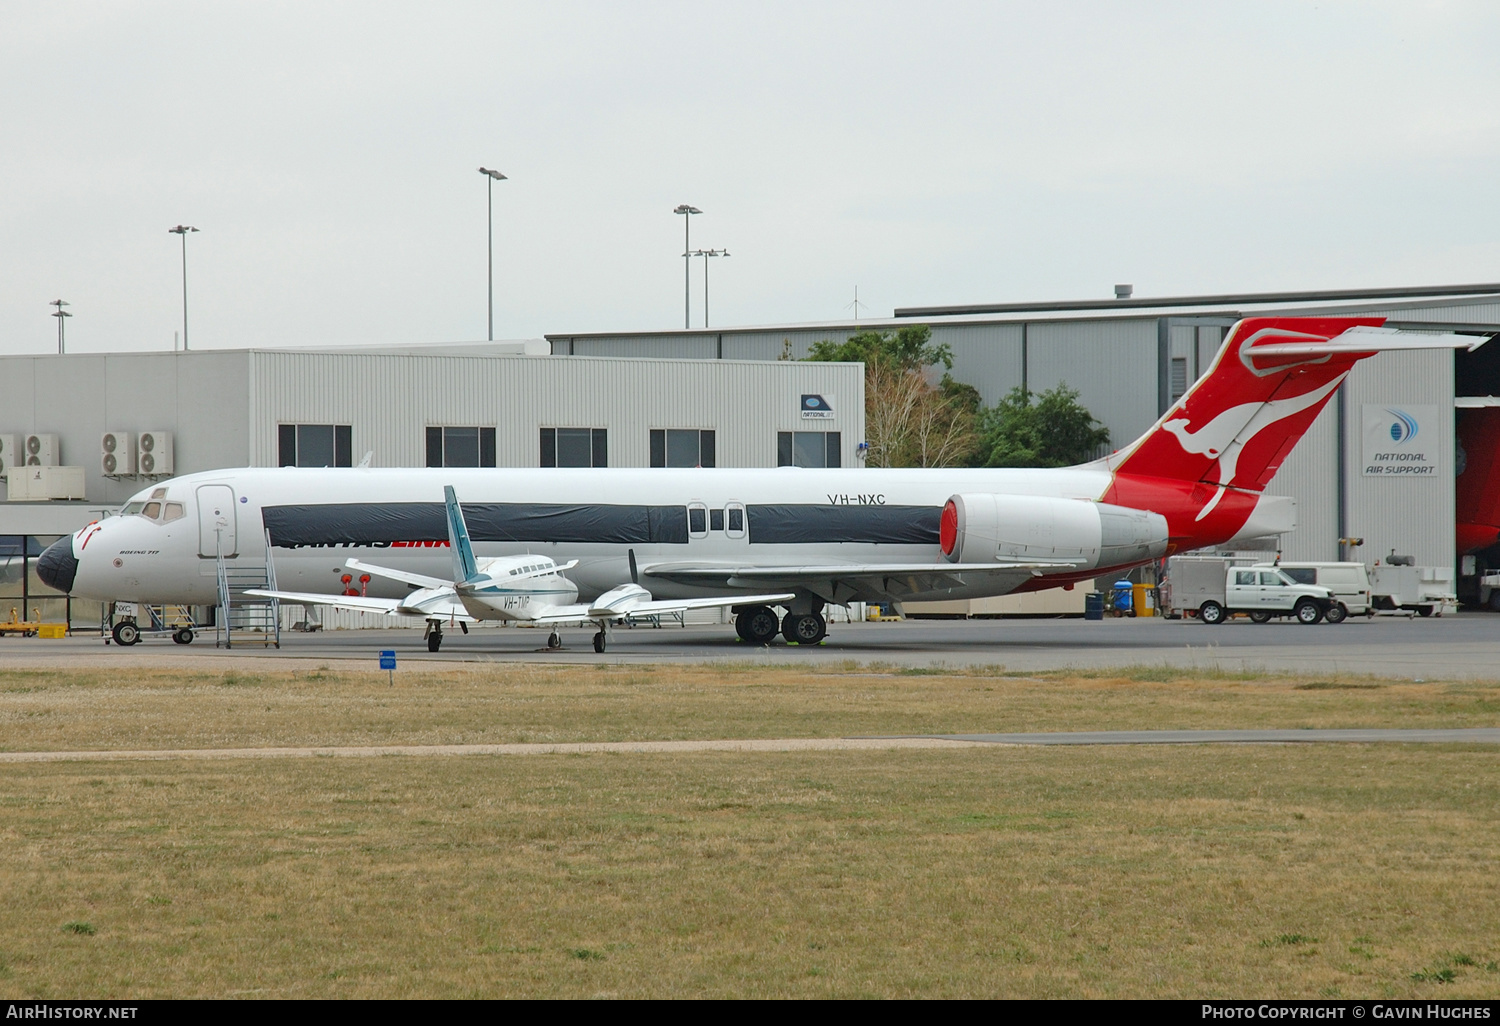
[1307, 612]
[1260, 616]
[804, 628]
[599, 642]
[757, 625]
[184, 636]
[434, 641]
[554, 640]
[1336, 613]
[126, 633]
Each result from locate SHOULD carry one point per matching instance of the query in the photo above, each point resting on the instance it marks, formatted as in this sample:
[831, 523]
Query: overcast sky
[925, 152]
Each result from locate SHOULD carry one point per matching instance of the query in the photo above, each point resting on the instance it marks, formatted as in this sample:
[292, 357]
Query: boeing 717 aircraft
[1197, 477]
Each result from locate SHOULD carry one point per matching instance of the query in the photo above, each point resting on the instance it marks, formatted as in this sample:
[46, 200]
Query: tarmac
[1453, 647]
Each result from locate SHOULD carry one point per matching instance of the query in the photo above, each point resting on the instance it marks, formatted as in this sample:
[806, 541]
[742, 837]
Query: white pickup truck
[1207, 589]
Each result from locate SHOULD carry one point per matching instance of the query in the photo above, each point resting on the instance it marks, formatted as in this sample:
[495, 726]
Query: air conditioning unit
[35, 483]
[154, 453]
[10, 453]
[117, 453]
[42, 451]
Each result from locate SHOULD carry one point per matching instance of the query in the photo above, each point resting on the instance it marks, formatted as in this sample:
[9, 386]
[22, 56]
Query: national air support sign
[1402, 441]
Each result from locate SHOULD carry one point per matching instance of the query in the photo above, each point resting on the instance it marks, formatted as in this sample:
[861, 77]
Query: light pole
[705, 254]
[60, 315]
[687, 213]
[183, 230]
[492, 177]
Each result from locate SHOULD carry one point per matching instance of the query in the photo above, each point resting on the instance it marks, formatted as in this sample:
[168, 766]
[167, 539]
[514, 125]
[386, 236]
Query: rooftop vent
[1123, 291]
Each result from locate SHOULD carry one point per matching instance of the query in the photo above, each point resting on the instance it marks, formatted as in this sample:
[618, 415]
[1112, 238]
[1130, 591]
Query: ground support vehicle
[1349, 582]
[1259, 592]
[1420, 590]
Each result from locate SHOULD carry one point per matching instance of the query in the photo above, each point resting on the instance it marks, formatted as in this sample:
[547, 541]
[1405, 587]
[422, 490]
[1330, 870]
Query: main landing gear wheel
[599, 641]
[184, 636]
[554, 640]
[757, 625]
[1307, 612]
[1260, 616]
[434, 641]
[126, 633]
[804, 628]
[1211, 613]
[1336, 613]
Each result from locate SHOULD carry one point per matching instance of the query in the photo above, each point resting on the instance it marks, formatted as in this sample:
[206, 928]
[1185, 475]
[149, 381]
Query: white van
[1349, 582]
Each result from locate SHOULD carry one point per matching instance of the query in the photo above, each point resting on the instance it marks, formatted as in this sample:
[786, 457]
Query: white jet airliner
[1196, 478]
[529, 589]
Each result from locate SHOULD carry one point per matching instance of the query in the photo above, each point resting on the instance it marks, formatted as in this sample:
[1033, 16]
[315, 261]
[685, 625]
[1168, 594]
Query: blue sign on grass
[388, 659]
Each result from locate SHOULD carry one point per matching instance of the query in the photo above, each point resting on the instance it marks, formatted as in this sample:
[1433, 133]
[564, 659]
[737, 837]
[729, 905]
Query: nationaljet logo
[816, 407]
[1404, 427]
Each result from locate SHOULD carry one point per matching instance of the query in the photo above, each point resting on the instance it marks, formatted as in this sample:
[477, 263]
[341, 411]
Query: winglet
[464, 567]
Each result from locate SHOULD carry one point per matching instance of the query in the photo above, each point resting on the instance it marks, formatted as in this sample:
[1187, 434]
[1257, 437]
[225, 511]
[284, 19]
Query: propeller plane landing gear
[554, 640]
[600, 640]
[434, 635]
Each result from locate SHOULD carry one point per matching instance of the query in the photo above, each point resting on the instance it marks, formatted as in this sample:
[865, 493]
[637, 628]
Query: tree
[1049, 429]
[909, 420]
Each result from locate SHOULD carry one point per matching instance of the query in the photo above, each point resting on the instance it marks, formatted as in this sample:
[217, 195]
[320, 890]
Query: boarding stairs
[251, 619]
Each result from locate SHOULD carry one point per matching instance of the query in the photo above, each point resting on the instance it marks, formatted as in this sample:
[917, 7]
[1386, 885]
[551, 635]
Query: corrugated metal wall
[1310, 476]
[1112, 364]
[200, 397]
[1413, 515]
[390, 400]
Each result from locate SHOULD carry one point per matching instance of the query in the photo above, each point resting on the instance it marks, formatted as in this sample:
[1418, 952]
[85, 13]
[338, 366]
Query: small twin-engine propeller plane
[798, 539]
[528, 589]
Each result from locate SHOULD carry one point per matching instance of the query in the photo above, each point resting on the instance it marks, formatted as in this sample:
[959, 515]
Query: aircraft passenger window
[716, 520]
[152, 511]
[1274, 580]
[697, 521]
[736, 518]
[1244, 577]
[174, 512]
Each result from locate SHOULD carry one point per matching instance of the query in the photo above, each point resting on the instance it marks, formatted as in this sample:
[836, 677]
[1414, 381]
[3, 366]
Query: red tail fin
[1205, 463]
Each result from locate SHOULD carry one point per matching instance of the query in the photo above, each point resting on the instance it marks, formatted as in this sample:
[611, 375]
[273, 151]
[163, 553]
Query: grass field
[1301, 870]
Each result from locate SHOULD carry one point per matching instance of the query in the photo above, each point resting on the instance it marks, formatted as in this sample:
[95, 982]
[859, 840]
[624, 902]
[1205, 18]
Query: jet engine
[986, 527]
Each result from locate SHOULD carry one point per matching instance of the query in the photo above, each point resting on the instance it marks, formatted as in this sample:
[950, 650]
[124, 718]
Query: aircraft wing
[433, 608]
[404, 576]
[842, 582]
[641, 604]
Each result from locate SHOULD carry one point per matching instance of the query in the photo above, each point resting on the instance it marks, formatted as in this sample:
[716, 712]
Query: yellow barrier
[52, 630]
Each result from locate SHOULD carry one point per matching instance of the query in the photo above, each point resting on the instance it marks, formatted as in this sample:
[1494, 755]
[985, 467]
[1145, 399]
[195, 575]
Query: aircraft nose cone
[56, 566]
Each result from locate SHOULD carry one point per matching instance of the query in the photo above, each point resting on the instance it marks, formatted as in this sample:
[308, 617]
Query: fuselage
[604, 518]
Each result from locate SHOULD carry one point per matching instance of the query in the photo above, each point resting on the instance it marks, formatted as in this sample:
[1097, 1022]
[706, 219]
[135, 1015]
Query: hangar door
[216, 527]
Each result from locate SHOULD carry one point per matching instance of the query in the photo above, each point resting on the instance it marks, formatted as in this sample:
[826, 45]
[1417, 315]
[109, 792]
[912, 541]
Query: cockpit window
[159, 493]
[174, 512]
[152, 511]
[131, 509]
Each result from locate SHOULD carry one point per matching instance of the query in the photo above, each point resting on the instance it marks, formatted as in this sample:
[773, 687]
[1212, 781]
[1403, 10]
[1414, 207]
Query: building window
[315, 445]
[575, 447]
[460, 447]
[808, 449]
[1179, 377]
[672, 447]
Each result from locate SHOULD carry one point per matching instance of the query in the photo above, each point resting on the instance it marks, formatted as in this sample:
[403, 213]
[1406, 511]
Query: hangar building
[86, 420]
[1130, 358]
